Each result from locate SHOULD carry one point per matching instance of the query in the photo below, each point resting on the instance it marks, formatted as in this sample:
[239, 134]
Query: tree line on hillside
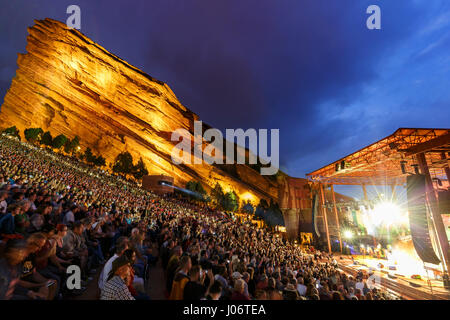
[229, 201]
[37, 136]
[123, 163]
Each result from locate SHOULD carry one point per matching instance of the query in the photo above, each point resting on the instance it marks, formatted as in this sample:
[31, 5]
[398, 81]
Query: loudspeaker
[315, 206]
[446, 282]
[402, 165]
[444, 201]
[418, 222]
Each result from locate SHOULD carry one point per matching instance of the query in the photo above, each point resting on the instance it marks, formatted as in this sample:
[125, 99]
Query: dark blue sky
[310, 68]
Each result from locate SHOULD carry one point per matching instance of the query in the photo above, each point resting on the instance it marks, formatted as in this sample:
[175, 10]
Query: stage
[398, 281]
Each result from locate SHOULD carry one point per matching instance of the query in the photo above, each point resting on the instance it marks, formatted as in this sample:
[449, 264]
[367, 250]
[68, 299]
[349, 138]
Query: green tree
[59, 141]
[47, 139]
[263, 203]
[230, 201]
[140, 169]
[190, 185]
[89, 156]
[71, 146]
[33, 135]
[273, 215]
[261, 208]
[199, 191]
[12, 131]
[247, 207]
[123, 163]
[99, 161]
[217, 195]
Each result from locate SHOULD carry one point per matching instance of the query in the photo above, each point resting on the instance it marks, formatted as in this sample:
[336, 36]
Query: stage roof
[380, 162]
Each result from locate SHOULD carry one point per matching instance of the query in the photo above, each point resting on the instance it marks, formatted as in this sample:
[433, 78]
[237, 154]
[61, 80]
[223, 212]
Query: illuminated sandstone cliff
[68, 84]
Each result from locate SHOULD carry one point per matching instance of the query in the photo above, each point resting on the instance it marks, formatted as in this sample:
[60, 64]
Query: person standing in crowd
[359, 284]
[215, 291]
[172, 266]
[238, 292]
[301, 288]
[195, 288]
[181, 278]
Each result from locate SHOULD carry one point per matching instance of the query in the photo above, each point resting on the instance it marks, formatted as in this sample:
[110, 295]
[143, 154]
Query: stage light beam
[388, 213]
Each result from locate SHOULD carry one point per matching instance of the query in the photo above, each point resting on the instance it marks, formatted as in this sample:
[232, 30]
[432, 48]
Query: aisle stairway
[156, 282]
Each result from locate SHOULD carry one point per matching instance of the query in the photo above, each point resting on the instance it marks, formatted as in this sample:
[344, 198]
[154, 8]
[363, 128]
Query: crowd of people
[57, 212]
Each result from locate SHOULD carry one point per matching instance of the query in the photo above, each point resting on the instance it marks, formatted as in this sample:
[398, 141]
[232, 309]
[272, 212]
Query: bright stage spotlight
[348, 234]
[388, 213]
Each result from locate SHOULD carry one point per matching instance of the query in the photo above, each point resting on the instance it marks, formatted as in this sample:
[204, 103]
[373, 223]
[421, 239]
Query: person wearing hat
[290, 292]
[116, 286]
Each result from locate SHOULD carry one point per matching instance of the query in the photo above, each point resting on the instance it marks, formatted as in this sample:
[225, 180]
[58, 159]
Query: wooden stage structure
[388, 162]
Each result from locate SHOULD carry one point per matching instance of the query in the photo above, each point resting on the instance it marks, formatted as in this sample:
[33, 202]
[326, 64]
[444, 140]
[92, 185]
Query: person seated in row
[116, 286]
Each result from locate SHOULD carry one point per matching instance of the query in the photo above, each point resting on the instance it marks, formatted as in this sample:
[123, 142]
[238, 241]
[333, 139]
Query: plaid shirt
[116, 289]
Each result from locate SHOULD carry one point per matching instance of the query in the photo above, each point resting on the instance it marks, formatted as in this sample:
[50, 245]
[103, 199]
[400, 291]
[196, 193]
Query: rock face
[295, 203]
[295, 199]
[68, 84]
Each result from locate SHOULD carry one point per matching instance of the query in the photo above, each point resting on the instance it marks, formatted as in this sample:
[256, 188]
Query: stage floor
[397, 280]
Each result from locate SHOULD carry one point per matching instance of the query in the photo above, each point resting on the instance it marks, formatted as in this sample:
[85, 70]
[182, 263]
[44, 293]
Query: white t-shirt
[105, 272]
[301, 288]
[33, 206]
[69, 217]
[3, 206]
[360, 286]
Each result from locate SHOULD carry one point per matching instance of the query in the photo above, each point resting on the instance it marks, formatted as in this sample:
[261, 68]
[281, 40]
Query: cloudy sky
[308, 67]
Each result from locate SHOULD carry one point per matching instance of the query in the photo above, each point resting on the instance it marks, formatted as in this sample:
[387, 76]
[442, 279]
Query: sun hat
[117, 264]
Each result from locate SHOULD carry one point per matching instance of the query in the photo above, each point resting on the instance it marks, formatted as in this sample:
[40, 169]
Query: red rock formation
[295, 203]
[68, 84]
[295, 199]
